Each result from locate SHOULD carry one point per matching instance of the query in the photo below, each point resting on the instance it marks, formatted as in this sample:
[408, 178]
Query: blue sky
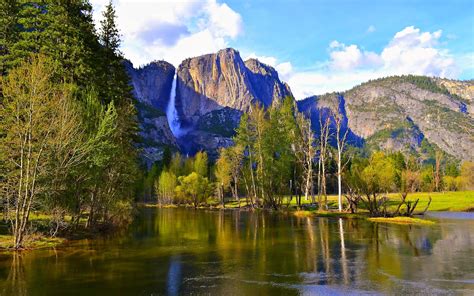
[317, 46]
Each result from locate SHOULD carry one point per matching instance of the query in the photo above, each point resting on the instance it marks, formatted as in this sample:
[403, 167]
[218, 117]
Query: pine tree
[30, 24]
[8, 31]
[69, 39]
[109, 34]
[114, 81]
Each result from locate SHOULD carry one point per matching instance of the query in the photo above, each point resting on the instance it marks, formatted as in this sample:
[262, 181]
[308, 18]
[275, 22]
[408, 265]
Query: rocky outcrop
[212, 90]
[463, 89]
[152, 83]
[214, 81]
[397, 113]
[151, 89]
[266, 85]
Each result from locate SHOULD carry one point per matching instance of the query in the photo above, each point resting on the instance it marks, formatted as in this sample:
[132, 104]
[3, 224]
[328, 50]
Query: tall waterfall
[172, 112]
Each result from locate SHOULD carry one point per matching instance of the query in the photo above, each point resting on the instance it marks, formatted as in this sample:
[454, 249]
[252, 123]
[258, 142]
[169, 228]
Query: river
[183, 251]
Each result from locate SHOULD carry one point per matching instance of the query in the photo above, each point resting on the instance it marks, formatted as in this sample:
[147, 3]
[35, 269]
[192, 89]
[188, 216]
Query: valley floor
[453, 201]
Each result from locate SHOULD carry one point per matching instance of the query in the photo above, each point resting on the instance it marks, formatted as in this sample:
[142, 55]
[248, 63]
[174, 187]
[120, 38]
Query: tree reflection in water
[179, 251]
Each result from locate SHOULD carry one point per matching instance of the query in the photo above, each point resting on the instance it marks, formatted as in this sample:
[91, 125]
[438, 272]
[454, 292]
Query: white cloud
[415, 52]
[410, 51]
[371, 29]
[349, 57]
[335, 44]
[172, 30]
[285, 70]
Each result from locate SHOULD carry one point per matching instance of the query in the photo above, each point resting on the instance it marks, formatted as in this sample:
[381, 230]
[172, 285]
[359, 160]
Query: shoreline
[402, 220]
[449, 202]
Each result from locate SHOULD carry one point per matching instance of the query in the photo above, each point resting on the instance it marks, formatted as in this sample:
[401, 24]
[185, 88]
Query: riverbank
[441, 201]
[459, 201]
[42, 238]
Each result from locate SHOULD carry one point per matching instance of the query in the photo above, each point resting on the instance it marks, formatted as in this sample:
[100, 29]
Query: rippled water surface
[180, 251]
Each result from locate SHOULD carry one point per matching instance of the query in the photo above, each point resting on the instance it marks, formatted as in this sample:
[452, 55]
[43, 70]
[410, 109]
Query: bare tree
[341, 138]
[305, 151]
[323, 151]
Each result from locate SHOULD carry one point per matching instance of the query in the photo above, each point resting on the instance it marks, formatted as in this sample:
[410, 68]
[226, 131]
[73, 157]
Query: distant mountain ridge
[212, 91]
[398, 113]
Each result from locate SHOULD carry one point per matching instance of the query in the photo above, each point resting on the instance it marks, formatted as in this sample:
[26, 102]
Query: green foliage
[194, 188]
[467, 175]
[223, 171]
[165, 187]
[452, 169]
[201, 164]
[148, 111]
[370, 178]
[176, 164]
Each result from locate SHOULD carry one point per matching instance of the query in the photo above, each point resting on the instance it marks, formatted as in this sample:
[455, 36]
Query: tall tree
[324, 125]
[341, 137]
[114, 80]
[8, 31]
[201, 163]
[305, 151]
[223, 173]
[437, 175]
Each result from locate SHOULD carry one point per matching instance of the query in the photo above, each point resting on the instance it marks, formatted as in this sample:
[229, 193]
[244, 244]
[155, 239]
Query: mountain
[404, 114]
[214, 89]
[199, 104]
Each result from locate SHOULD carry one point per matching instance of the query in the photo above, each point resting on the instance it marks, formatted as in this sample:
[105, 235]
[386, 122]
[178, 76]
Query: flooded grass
[402, 220]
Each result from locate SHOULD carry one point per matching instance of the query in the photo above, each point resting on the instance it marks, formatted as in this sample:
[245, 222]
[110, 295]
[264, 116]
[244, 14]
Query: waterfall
[172, 112]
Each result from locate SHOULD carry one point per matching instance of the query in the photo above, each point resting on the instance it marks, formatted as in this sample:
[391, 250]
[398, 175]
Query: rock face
[212, 90]
[214, 81]
[151, 89]
[463, 89]
[397, 113]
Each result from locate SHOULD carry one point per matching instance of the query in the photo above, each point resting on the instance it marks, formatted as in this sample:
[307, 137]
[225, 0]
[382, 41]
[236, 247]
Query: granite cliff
[211, 92]
[402, 113]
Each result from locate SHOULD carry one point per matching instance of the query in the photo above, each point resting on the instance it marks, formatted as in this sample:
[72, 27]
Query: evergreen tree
[114, 82]
[8, 31]
[109, 34]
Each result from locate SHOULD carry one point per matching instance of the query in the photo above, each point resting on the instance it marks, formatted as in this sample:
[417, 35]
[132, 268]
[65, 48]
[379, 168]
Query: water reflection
[178, 251]
[174, 276]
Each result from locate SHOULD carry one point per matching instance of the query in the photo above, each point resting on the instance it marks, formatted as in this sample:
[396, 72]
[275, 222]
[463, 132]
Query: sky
[316, 46]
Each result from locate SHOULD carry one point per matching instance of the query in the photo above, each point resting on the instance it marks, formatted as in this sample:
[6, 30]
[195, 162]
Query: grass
[453, 201]
[402, 220]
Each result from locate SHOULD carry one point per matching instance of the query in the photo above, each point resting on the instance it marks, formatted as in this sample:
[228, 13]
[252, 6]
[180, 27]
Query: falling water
[172, 113]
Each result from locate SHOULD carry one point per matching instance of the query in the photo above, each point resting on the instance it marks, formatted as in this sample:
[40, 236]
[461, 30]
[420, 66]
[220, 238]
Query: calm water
[179, 251]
